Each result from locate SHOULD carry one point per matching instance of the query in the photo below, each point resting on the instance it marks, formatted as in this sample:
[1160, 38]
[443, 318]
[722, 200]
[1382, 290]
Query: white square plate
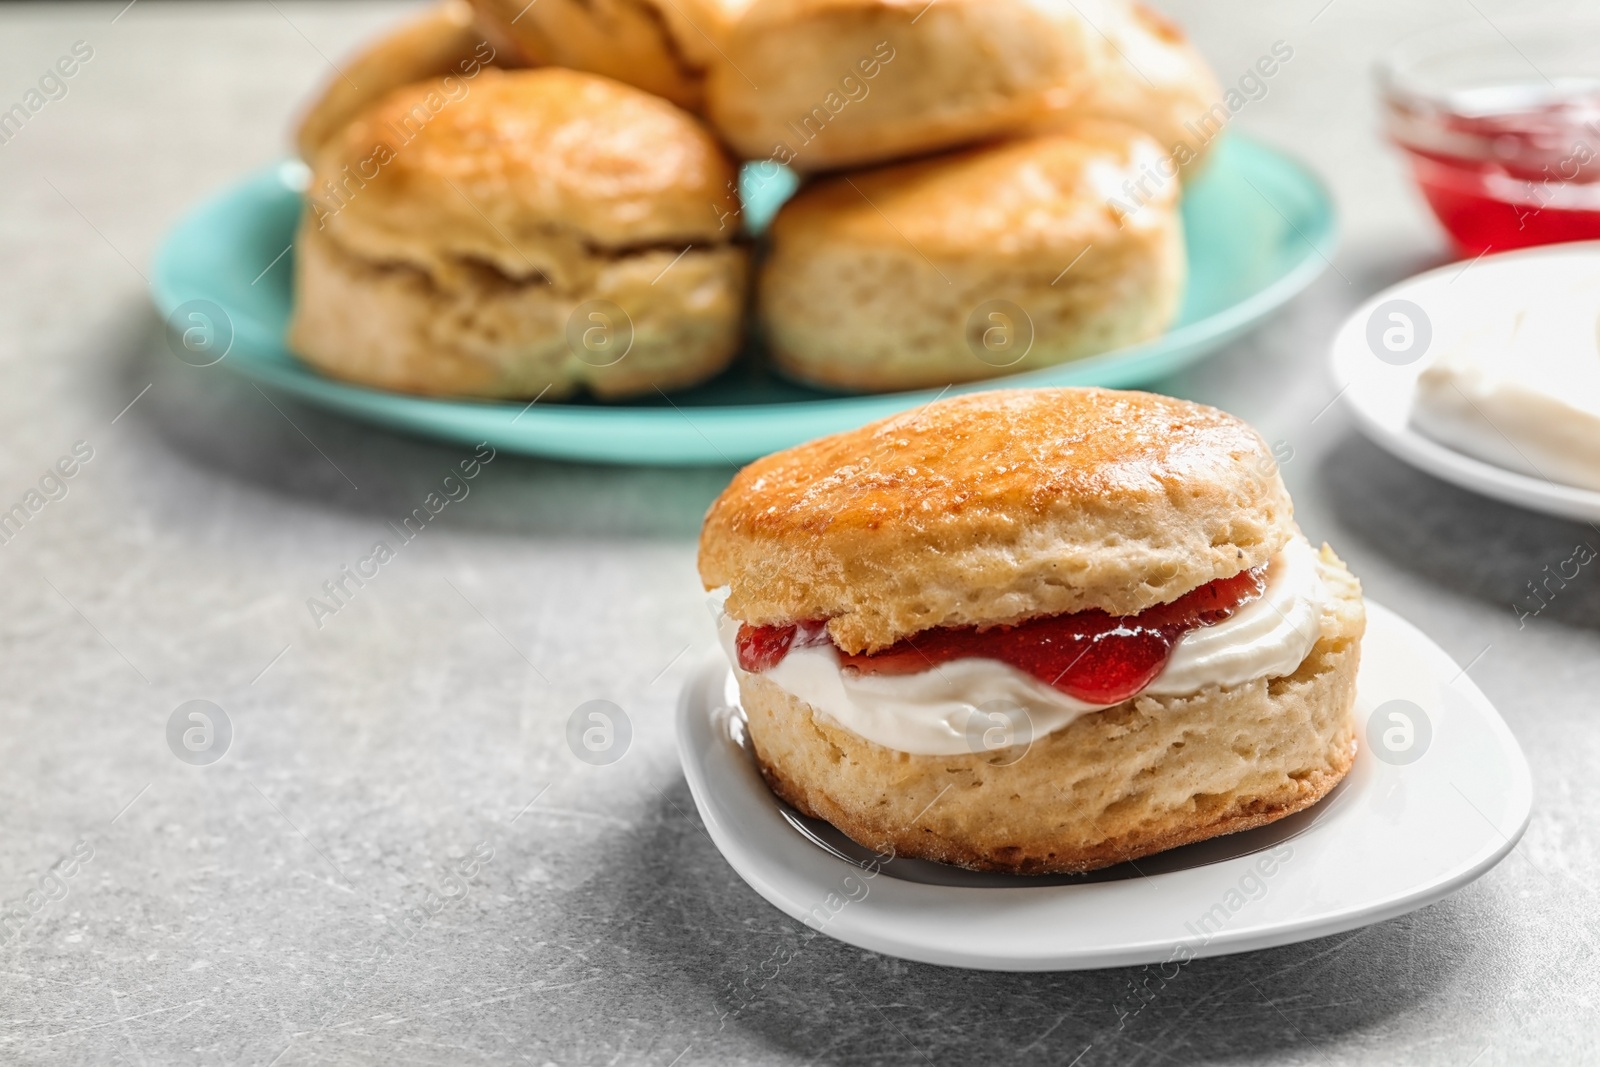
[1438, 795]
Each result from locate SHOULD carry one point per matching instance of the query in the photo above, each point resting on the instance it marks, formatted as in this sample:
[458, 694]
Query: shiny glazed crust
[824, 84]
[1149, 75]
[1138, 778]
[660, 46]
[444, 39]
[995, 507]
[974, 264]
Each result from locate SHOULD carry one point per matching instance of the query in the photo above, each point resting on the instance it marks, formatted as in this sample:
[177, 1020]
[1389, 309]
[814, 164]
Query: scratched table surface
[398, 859]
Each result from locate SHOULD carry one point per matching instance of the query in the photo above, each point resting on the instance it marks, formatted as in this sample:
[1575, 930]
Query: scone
[444, 40]
[1149, 75]
[1035, 630]
[536, 233]
[661, 46]
[981, 262]
[824, 84]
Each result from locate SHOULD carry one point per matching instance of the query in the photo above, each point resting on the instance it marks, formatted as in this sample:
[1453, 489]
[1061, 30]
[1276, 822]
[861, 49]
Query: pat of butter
[1520, 385]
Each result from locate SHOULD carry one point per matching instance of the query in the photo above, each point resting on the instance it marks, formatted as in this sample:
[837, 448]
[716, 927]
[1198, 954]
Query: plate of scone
[701, 232]
[1051, 679]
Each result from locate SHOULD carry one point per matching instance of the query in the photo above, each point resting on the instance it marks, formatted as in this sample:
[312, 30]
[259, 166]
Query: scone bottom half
[1103, 766]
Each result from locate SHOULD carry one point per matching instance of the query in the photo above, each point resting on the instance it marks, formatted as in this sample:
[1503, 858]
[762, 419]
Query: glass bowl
[1502, 130]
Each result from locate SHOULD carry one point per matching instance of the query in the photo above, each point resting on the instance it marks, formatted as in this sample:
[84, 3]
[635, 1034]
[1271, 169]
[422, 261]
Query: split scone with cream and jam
[1036, 630]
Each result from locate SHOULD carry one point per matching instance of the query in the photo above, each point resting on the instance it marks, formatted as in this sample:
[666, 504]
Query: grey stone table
[410, 752]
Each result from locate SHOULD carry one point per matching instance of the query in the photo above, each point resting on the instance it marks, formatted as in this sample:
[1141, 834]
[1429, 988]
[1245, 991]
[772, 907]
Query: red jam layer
[1089, 655]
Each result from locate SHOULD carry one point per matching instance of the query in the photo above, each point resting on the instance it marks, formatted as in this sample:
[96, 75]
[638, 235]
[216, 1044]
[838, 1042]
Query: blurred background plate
[1259, 228]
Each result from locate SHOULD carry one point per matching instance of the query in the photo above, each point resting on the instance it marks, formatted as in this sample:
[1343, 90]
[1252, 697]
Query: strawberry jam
[1090, 655]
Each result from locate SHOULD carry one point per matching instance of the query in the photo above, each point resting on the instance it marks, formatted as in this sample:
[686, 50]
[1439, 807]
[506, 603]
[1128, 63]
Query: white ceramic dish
[1379, 393]
[1393, 837]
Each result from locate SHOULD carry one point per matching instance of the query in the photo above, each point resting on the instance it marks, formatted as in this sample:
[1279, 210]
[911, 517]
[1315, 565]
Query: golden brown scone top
[1151, 76]
[531, 172]
[446, 38]
[1020, 199]
[995, 507]
[661, 46]
[826, 84]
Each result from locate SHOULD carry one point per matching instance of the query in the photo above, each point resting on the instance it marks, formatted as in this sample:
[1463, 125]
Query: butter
[1519, 387]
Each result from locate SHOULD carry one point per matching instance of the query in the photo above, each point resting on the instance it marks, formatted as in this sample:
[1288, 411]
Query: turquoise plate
[1259, 228]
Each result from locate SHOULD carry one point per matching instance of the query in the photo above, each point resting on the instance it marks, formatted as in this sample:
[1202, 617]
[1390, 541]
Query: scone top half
[993, 508]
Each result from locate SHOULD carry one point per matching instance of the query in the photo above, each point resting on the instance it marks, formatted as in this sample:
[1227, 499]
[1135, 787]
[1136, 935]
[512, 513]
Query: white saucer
[1380, 393]
[1392, 838]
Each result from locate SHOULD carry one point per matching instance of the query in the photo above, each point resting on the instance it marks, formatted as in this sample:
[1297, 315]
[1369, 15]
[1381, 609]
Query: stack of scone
[1036, 630]
[993, 187]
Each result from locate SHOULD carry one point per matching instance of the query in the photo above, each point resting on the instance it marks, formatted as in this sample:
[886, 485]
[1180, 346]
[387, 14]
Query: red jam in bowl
[1502, 132]
[1090, 655]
